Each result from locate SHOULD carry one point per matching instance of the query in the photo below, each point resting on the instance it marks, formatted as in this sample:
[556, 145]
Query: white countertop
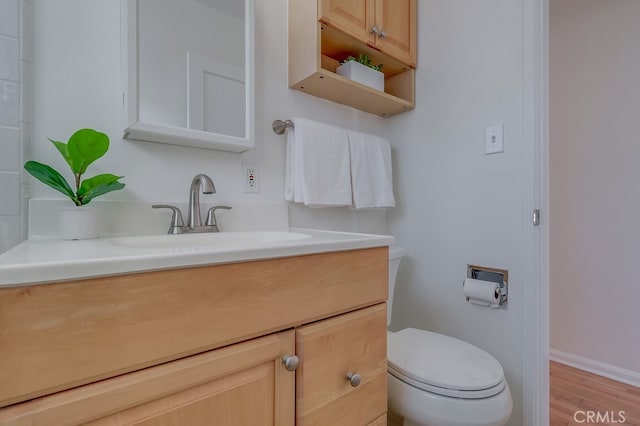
[52, 260]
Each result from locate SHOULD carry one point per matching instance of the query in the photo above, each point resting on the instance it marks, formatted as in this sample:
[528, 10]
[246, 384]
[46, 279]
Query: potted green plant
[363, 71]
[83, 148]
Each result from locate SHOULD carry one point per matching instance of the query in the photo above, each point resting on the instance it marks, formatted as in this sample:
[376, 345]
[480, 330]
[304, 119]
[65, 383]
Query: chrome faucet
[194, 225]
[199, 181]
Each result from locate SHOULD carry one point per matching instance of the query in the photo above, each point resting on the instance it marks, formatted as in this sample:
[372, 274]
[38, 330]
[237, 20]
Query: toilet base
[420, 408]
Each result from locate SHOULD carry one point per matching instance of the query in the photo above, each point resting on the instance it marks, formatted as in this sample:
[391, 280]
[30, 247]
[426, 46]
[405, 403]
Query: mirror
[189, 72]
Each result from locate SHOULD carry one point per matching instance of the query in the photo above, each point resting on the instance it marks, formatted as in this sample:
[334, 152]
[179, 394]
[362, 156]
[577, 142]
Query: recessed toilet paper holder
[498, 276]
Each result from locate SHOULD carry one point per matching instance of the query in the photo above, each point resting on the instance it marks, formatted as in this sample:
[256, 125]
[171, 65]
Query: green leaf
[86, 146]
[63, 149]
[50, 177]
[98, 185]
[88, 185]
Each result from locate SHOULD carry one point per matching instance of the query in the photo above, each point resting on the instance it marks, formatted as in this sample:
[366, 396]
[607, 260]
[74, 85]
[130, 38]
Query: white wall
[78, 84]
[456, 205]
[595, 184]
[15, 116]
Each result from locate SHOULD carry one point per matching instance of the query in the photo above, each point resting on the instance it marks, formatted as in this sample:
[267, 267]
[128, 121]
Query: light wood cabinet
[242, 385]
[197, 345]
[324, 32]
[397, 29]
[386, 25]
[354, 17]
[333, 350]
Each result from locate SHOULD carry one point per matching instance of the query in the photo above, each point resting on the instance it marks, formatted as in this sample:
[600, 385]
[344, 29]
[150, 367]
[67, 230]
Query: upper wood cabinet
[385, 25]
[354, 17]
[397, 36]
[323, 33]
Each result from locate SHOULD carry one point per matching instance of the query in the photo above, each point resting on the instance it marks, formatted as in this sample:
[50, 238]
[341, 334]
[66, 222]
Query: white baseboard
[596, 367]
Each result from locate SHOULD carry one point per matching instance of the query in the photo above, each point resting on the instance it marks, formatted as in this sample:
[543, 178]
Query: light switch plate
[494, 140]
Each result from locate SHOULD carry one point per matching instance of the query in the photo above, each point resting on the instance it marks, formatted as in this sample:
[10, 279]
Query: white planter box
[78, 223]
[362, 74]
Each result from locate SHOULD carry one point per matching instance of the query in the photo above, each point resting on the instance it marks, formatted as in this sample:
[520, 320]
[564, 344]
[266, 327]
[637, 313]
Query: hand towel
[289, 175]
[318, 171]
[371, 173]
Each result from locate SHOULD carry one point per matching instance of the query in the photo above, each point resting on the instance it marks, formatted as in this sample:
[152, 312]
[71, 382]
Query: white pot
[78, 223]
[362, 74]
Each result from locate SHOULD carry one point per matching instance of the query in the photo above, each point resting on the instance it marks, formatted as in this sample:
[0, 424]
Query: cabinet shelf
[329, 85]
[338, 45]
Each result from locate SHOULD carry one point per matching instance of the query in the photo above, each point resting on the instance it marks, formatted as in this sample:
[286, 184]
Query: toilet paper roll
[483, 293]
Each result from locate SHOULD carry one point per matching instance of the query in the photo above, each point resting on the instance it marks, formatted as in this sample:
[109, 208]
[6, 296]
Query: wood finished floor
[575, 390]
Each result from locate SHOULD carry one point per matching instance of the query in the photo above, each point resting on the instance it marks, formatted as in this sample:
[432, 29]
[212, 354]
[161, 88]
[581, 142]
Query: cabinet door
[240, 385]
[354, 17]
[397, 37]
[331, 349]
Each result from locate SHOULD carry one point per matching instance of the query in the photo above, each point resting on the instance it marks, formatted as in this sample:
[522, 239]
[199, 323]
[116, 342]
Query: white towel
[371, 174]
[318, 170]
[289, 175]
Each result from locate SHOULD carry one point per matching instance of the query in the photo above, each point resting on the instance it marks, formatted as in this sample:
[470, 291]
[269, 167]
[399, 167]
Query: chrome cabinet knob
[382, 34]
[290, 362]
[374, 29]
[354, 379]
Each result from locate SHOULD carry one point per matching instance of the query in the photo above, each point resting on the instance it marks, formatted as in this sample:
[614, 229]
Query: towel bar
[279, 126]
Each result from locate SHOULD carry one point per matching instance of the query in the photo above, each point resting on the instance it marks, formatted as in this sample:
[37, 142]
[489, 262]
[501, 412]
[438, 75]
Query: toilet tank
[395, 256]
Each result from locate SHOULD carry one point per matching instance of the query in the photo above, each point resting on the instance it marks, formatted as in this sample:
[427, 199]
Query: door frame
[535, 361]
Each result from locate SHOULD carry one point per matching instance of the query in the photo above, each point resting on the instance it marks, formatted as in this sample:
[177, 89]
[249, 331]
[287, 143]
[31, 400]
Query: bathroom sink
[214, 240]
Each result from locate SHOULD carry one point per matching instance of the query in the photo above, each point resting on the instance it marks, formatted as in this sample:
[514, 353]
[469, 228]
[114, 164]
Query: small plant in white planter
[364, 60]
[363, 71]
[83, 148]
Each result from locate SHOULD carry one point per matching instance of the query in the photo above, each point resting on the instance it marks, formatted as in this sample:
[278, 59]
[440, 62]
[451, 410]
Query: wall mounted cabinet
[323, 33]
[386, 25]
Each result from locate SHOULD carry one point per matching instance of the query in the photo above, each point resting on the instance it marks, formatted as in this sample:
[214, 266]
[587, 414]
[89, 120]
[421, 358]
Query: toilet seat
[443, 365]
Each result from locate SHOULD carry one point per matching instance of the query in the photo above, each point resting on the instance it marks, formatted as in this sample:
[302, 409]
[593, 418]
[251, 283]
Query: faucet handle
[211, 215]
[177, 223]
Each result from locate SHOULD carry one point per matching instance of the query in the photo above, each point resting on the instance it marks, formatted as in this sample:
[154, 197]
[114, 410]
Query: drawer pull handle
[290, 362]
[354, 379]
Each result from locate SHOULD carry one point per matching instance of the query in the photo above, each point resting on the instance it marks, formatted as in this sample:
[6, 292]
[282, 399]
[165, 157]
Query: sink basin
[217, 240]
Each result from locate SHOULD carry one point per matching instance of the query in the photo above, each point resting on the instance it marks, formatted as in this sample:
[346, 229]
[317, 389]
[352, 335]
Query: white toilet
[436, 380]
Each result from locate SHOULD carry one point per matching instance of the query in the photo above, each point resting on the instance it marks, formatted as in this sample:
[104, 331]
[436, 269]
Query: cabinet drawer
[328, 351]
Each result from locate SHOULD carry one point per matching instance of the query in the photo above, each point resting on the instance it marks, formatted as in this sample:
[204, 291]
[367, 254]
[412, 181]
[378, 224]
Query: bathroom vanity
[294, 334]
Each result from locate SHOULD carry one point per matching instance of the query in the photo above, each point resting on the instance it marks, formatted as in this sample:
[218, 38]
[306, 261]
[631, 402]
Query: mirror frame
[174, 135]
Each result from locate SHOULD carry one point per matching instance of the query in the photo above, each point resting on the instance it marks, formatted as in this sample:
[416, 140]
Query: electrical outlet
[250, 178]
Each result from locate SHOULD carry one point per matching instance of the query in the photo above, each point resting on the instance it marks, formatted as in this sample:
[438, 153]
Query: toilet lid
[442, 362]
